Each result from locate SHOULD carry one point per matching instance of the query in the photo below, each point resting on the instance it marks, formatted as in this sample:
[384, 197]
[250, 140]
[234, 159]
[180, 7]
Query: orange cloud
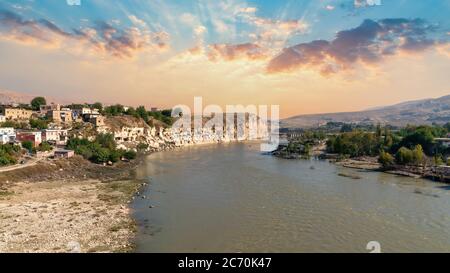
[102, 38]
[231, 52]
[368, 43]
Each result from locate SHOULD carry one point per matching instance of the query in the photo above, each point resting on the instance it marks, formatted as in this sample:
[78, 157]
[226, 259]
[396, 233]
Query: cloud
[137, 22]
[368, 43]
[229, 52]
[101, 38]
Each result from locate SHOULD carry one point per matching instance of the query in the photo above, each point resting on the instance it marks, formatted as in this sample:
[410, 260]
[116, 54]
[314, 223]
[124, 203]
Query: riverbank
[68, 205]
[440, 174]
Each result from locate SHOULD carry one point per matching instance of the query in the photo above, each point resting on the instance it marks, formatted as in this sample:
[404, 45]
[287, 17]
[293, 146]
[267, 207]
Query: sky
[307, 56]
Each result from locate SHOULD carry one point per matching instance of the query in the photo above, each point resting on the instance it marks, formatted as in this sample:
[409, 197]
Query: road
[28, 163]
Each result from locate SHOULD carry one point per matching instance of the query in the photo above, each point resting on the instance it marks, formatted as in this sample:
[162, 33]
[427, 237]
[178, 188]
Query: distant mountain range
[425, 111]
[11, 97]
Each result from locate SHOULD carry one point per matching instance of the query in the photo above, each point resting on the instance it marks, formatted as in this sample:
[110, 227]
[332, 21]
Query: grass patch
[6, 193]
[118, 192]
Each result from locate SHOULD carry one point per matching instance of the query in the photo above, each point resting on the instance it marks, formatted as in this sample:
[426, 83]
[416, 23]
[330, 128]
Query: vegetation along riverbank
[415, 151]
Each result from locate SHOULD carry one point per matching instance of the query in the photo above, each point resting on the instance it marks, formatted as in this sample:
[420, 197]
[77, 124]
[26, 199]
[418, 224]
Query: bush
[142, 146]
[38, 124]
[44, 147]
[27, 145]
[115, 155]
[130, 155]
[404, 156]
[106, 141]
[101, 155]
[8, 154]
[418, 155]
[386, 159]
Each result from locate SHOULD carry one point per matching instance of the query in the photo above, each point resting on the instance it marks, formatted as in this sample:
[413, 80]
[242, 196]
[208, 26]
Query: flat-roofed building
[64, 153]
[64, 115]
[34, 136]
[82, 112]
[44, 109]
[12, 113]
[7, 135]
[57, 136]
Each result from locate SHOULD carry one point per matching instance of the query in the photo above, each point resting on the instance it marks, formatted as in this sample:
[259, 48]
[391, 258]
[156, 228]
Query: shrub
[44, 147]
[27, 145]
[142, 146]
[101, 155]
[130, 155]
[106, 141]
[386, 159]
[418, 155]
[115, 155]
[404, 156]
[38, 124]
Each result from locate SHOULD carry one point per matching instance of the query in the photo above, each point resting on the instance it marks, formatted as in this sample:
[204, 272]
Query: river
[233, 198]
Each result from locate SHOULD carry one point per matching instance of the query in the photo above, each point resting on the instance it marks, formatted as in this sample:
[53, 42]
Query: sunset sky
[308, 56]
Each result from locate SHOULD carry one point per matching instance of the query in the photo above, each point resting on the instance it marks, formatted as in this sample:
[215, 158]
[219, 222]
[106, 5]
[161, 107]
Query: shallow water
[232, 198]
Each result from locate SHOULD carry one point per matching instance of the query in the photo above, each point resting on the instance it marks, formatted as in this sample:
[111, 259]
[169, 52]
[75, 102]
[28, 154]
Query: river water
[233, 198]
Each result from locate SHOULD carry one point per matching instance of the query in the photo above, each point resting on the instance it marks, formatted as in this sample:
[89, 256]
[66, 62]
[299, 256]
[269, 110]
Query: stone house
[12, 113]
[61, 116]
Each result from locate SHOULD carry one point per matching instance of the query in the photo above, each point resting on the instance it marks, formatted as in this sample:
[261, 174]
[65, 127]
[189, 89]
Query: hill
[425, 111]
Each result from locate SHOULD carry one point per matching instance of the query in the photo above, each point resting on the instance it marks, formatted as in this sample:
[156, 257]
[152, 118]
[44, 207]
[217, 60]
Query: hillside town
[103, 135]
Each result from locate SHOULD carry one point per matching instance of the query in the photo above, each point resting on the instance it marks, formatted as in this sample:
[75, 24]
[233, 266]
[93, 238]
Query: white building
[80, 113]
[7, 135]
[2, 118]
[59, 136]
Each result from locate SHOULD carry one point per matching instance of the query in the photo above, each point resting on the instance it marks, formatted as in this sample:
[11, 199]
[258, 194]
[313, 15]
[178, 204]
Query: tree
[142, 113]
[38, 124]
[130, 155]
[106, 141]
[27, 145]
[37, 102]
[386, 159]
[404, 156]
[98, 105]
[101, 155]
[44, 147]
[417, 154]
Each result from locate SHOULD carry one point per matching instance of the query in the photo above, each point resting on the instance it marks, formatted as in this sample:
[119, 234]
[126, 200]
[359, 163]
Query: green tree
[37, 102]
[386, 159]
[44, 147]
[142, 112]
[101, 155]
[130, 155]
[38, 124]
[418, 154]
[404, 156]
[98, 105]
[106, 141]
[27, 145]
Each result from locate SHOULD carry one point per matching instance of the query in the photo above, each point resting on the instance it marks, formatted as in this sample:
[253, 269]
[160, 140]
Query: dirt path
[29, 163]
